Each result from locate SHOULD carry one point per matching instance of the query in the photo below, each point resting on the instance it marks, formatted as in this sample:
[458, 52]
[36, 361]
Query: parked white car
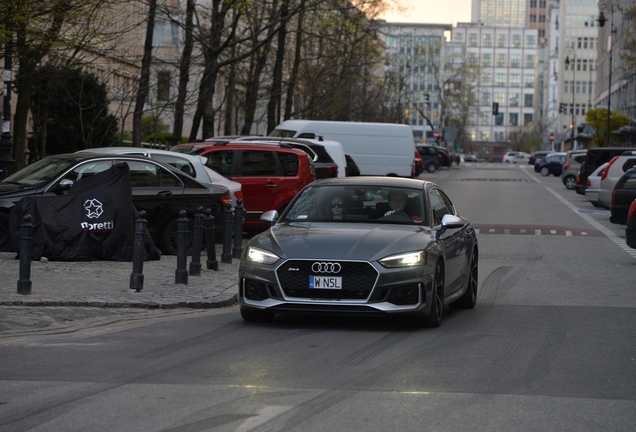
[612, 172]
[593, 185]
[521, 158]
[192, 165]
[509, 157]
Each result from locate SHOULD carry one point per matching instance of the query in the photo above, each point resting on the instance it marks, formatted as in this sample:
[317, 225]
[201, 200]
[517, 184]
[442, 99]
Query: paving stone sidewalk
[107, 284]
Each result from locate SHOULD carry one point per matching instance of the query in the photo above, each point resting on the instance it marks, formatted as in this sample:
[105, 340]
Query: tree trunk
[289, 103]
[144, 79]
[273, 106]
[229, 103]
[24, 84]
[184, 75]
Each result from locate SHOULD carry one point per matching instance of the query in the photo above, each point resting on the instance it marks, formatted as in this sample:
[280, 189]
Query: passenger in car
[397, 202]
[336, 208]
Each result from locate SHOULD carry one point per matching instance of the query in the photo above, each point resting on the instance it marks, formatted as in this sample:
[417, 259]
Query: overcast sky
[433, 12]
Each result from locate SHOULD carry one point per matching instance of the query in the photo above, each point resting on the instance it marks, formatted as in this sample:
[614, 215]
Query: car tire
[431, 167]
[545, 171]
[435, 315]
[5, 233]
[570, 182]
[469, 299]
[256, 316]
[168, 237]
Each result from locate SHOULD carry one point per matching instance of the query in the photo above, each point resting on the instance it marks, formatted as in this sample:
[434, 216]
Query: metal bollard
[137, 275]
[181, 274]
[208, 223]
[239, 215]
[197, 243]
[226, 256]
[26, 239]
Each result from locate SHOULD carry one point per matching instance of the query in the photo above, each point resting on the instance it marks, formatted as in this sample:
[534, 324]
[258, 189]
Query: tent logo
[93, 208]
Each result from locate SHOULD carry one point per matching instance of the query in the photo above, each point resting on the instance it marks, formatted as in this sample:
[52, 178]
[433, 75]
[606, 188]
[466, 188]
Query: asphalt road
[550, 345]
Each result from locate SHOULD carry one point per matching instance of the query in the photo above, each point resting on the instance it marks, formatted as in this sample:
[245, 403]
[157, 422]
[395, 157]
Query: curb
[143, 305]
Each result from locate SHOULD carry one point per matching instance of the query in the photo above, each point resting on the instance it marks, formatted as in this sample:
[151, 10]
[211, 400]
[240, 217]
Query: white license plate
[325, 282]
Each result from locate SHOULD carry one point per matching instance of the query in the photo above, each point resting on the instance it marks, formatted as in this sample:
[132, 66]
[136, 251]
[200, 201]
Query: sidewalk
[106, 284]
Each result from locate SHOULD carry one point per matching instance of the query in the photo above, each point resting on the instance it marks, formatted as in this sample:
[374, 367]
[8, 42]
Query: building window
[499, 119]
[531, 41]
[485, 98]
[484, 118]
[542, 18]
[530, 60]
[484, 135]
[163, 86]
[501, 60]
[533, 3]
[486, 79]
[516, 41]
[541, 33]
[528, 100]
[499, 136]
[157, 35]
[566, 86]
[487, 40]
[542, 4]
[514, 99]
[515, 80]
[472, 58]
[515, 60]
[528, 80]
[458, 36]
[527, 119]
[472, 39]
[486, 59]
[501, 40]
[578, 87]
[514, 119]
[500, 79]
[500, 98]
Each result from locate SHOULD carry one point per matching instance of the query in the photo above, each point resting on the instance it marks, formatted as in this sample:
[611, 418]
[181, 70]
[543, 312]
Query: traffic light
[563, 109]
[495, 108]
[427, 98]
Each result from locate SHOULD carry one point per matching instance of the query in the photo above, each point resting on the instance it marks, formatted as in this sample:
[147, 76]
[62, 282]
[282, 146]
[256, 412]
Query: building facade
[506, 59]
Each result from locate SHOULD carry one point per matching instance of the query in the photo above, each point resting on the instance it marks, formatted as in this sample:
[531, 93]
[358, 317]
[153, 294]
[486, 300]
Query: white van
[378, 148]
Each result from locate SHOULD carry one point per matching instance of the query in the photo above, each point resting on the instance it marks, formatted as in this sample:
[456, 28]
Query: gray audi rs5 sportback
[365, 246]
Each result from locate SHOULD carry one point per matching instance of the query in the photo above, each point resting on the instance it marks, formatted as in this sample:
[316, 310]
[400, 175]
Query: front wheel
[431, 167]
[545, 171]
[570, 182]
[168, 237]
[469, 299]
[434, 317]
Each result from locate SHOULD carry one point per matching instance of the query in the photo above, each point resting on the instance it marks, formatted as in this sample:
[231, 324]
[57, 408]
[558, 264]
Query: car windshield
[350, 203]
[40, 172]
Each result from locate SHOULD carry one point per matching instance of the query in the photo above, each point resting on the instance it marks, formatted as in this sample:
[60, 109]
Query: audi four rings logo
[326, 267]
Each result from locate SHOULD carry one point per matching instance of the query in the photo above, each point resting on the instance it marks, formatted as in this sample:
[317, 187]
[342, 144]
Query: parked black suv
[595, 158]
[431, 160]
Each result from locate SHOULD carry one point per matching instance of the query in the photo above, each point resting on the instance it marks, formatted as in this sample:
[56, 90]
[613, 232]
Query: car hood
[11, 190]
[368, 242]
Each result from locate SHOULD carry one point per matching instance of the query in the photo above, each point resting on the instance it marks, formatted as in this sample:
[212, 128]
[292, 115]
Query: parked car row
[434, 157]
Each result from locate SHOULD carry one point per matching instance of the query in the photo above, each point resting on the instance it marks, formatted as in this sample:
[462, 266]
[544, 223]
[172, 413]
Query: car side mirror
[269, 217]
[64, 185]
[451, 221]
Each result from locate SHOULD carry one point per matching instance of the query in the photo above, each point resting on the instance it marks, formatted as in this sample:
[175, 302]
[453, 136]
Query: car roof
[400, 182]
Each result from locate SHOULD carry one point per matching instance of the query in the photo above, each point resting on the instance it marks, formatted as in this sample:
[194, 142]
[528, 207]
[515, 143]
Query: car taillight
[333, 170]
[226, 199]
[604, 173]
[632, 210]
[578, 179]
[238, 195]
[614, 197]
[589, 183]
[566, 166]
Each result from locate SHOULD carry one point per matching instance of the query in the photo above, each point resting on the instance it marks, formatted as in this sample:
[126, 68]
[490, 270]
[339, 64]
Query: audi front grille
[358, 279]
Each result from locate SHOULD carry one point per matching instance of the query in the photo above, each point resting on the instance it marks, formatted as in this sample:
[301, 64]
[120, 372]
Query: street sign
[551, 137]
[436, 134]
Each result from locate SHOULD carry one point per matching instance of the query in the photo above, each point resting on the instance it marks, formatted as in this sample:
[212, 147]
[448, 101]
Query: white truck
[378, 148]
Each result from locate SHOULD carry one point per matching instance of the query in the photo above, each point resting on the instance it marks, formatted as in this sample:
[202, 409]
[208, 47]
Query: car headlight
[261, 256]
[404, 260]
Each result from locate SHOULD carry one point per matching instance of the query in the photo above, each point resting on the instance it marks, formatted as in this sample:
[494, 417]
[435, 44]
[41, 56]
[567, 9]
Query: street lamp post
[607, 5]
[570, 52]
[6, 143]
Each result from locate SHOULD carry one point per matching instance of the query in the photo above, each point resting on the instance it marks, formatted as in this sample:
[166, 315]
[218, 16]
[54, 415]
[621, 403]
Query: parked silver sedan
[362, 245]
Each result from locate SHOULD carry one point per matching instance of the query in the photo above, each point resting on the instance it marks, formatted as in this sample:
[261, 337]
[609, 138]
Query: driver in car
[397, 203]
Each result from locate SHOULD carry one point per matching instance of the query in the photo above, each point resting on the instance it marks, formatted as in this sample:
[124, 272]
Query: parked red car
[270, 174]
